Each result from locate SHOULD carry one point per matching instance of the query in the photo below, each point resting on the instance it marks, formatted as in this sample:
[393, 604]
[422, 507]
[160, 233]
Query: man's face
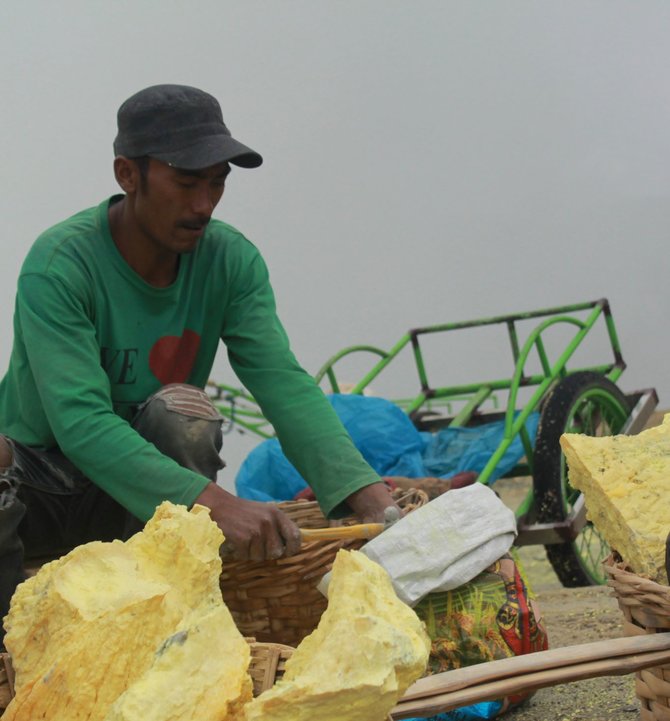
[173, 206]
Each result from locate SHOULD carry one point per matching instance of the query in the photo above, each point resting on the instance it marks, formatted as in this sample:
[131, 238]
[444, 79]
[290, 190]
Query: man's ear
[127, 174]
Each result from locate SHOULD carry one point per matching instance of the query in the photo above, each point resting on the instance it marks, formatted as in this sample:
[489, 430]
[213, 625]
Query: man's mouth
[194, 225]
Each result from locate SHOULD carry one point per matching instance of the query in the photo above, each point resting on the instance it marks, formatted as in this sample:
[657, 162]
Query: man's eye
[186, 183]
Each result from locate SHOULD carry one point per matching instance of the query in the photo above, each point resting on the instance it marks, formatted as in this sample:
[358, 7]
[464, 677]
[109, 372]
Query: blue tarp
[390, 443]
[483, 710]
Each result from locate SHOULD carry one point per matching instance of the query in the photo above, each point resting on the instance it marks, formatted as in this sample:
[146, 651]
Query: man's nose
[203, 201]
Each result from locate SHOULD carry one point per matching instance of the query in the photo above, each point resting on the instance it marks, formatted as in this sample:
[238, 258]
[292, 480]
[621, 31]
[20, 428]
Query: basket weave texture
[6, 681]
[645, 605]
[278, 601]
[268, 661]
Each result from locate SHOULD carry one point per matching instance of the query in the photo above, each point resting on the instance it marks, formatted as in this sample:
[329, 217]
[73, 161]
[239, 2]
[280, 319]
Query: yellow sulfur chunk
[191, 675]
[102, 633]
[626, 485]
[368, 648]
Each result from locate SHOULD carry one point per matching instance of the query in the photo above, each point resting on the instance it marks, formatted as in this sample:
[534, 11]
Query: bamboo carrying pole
[488, 681]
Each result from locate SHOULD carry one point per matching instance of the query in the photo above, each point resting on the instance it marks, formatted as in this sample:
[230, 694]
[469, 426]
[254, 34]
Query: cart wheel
[588, 403]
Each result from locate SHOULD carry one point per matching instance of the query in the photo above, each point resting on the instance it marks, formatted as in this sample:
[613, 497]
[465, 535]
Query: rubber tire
[550, 483]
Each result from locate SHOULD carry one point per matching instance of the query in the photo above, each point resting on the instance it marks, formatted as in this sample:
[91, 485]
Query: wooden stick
[496, 679]
[360, 531]
[9, 670]
[504, 668]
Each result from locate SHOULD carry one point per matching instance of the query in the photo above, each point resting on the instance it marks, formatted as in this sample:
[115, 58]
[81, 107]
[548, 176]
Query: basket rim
[413, 497]
[618, 570]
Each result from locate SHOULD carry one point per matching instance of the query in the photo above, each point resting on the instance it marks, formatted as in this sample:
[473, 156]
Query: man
[119, 314]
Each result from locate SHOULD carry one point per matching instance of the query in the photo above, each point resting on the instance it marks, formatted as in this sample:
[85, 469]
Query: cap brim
[211, 151]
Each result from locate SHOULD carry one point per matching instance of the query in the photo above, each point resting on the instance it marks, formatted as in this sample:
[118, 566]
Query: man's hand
[253, 531]
[369, 502]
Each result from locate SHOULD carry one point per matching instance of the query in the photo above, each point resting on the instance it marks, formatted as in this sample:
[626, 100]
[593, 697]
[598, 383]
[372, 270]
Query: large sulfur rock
[138, 631]
[626, 485]
[131, 631]
[368, 648]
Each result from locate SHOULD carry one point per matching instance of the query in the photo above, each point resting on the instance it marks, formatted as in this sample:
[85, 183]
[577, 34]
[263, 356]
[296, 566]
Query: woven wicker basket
[645, 605]
[277, 601]
[6, 681]
[267, 665]
[265, 668]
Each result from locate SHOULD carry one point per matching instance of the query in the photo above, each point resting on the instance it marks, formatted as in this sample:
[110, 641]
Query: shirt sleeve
[64, 358]
[308, 429]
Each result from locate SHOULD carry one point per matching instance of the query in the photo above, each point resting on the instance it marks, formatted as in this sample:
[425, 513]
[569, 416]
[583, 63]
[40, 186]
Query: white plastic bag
[443, 544]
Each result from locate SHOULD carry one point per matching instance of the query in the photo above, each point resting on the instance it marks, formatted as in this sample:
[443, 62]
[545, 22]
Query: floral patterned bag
[493, 616]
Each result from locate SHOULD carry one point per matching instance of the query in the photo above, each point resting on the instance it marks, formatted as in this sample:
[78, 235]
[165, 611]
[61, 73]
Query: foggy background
[425, 162]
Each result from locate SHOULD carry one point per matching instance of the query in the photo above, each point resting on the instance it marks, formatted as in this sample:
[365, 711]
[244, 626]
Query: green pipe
[509, 317]
[416, 403]
[334, 385]
[513, 339]
[344, 352]
[526, 505]
[544, 362]
[527, 448]
[584, 327]
[504, 384]
[512, 427]
[386, 359]
[420, 367]
[466, 412]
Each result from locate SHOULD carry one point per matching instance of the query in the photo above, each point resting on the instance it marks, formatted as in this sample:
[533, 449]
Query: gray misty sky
[425, 162]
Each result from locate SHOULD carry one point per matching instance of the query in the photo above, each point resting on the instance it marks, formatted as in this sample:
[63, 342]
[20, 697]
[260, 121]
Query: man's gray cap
[181, 126]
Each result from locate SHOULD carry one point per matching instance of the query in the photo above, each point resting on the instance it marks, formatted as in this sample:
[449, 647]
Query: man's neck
[156, 268]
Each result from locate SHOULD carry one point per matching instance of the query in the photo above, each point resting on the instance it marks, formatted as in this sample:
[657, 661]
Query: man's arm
[74, 399]
[67, 394]
[309, 431]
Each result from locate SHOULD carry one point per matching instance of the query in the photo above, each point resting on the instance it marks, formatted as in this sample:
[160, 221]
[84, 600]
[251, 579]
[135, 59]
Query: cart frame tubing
[478, 393]
[249, 418]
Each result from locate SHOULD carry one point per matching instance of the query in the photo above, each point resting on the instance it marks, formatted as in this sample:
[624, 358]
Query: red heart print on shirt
[172, 357]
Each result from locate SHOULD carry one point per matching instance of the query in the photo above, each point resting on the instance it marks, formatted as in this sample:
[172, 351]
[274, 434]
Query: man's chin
[189, 242]
[188, 250]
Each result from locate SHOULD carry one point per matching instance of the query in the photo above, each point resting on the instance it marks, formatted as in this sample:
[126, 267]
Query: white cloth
[443, 544]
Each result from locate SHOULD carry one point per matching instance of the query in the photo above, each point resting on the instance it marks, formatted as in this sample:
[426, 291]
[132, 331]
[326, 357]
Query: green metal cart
[570, 398]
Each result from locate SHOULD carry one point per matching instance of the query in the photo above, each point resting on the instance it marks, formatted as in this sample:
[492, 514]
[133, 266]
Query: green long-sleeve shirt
[92, 340]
